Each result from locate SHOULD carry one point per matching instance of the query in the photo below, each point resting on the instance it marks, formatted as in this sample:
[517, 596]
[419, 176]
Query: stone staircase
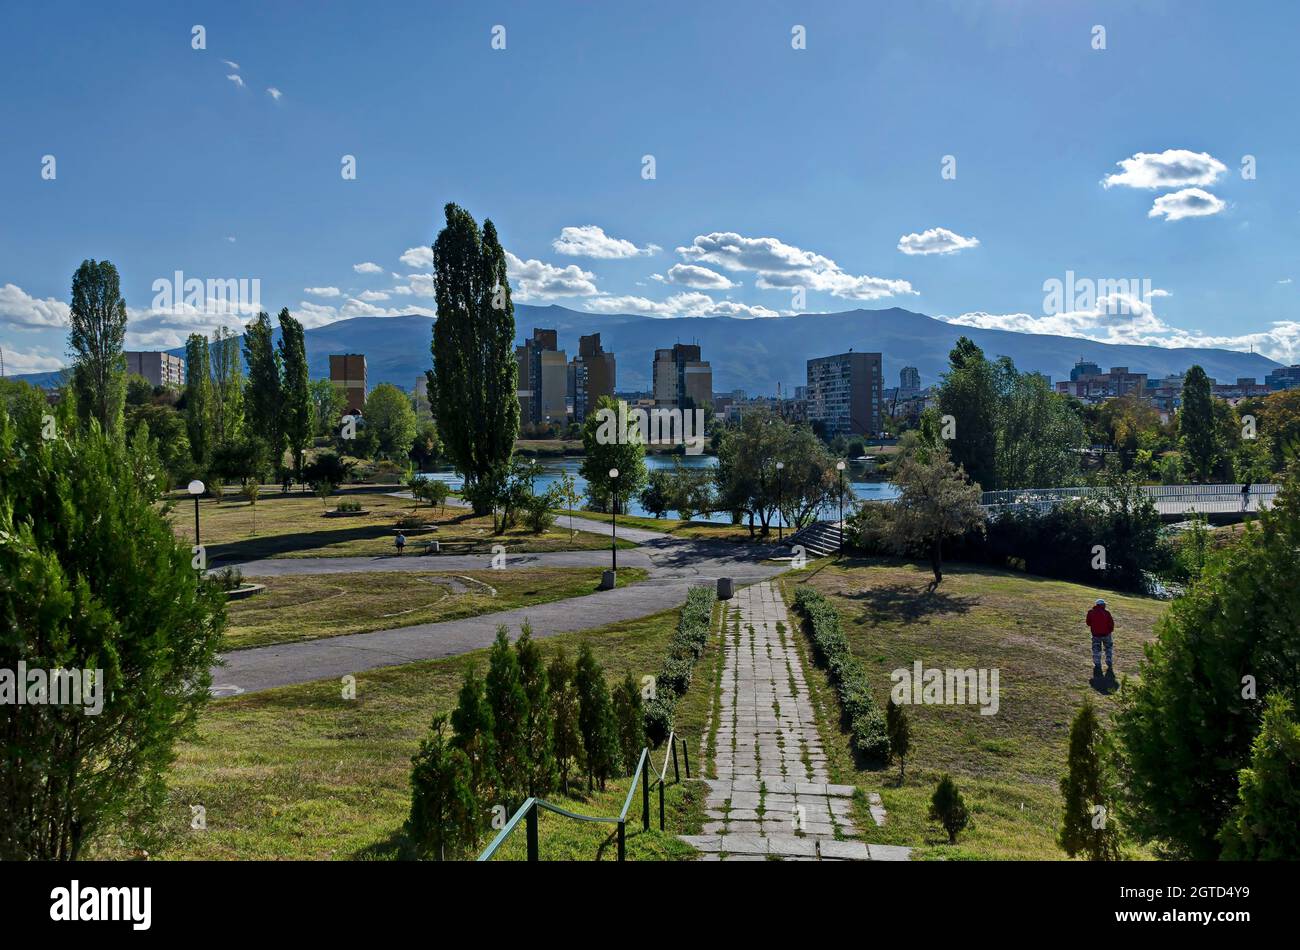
[819, 539]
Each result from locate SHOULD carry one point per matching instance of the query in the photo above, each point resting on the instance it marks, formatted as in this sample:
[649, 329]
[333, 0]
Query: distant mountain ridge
[756, 355]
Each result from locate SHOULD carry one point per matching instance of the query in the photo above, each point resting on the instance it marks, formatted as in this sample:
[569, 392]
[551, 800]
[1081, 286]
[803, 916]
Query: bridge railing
[1205, 499]
[641, 777]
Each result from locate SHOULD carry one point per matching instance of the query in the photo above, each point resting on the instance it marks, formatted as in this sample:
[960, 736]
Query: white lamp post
[613, 520]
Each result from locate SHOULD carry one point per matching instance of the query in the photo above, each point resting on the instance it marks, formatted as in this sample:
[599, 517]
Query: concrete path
[771, 798]
[673, 565]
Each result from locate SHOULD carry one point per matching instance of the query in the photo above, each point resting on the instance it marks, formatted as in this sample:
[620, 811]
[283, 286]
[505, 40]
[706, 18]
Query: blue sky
[775, 167]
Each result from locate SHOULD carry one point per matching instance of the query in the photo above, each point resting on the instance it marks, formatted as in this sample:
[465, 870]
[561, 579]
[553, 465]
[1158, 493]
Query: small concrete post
[725, 588]
[607, 580]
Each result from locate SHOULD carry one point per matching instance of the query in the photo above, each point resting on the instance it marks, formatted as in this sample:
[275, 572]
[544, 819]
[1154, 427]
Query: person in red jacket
[1102, 625]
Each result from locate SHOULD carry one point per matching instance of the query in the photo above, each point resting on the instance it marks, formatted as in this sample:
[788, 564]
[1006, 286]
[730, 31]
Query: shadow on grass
[252, 549]
[908, 604]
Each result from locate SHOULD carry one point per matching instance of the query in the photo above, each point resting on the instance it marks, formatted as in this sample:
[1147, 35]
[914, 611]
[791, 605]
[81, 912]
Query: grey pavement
[771, 797]
[673, 565]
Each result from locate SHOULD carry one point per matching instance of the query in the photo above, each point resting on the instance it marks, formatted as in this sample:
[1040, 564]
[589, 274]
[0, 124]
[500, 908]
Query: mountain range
[758, 354]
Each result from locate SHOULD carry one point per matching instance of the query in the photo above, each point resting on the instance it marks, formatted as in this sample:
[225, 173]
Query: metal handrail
[527, 812]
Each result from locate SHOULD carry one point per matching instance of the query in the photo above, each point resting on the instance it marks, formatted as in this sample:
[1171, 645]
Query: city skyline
[965, 192]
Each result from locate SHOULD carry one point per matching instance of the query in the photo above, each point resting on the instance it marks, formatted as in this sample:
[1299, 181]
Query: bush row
[831, 650]
[675, 675]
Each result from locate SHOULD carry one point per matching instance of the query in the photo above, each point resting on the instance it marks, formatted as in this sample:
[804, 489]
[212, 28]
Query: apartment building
[543, 380]
[161, 369]
[681, 378]
[845, 393]
[591, 375]
[348, 373]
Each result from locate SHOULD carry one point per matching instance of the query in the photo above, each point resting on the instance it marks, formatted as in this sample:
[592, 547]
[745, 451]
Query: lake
[554, 468]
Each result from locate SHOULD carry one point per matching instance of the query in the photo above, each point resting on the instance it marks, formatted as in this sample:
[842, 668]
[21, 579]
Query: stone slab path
[771, 798]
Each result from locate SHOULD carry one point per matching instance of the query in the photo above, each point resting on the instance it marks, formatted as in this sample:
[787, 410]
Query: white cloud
[537, 280]
[367, 267]
[1285, 280]
[234, 66]
[686, 304]
[589, 240]
[1172, 168]
[33, 361]
[322, 291]
[370, 296]
[237, 79]
[1188, 203]
[418, 256]
[1120, 318]
[230, 238]
[20, 308]
[781, 266]
[274, 93]
[319, 315]
[700, 278]
[935, 241]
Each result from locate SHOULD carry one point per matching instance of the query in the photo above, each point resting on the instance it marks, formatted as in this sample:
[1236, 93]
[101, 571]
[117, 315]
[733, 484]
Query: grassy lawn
[1007, 765]
[694, 530]
[296, 526]
[311, 606]
[299, 772]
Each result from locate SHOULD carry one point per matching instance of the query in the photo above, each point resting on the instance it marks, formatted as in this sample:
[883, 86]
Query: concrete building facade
[543, 379]
[682, 380]
[591, 375]
[845, 393]
[348, 373]
[161, 369]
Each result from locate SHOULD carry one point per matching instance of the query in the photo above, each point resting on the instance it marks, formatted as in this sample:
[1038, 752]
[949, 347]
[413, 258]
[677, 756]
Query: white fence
[1168, 499]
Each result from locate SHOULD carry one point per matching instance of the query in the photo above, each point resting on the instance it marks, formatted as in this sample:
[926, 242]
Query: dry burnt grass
[1008, 765]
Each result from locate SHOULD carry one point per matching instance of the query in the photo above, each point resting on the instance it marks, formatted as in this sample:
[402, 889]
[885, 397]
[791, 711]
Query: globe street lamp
[839, 466]
[613, 521]
[780, 519]
[196, 488]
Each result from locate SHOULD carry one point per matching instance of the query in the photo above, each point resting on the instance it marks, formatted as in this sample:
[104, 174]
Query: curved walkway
[673, 565]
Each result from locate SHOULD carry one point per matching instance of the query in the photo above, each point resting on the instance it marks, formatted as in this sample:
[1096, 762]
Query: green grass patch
[312, 606]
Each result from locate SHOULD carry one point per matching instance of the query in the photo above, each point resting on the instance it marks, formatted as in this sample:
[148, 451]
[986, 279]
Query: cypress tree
[227, 386]
[1263, 827]
[1196, 429]
[538, 733]
[1088, 825]
[198, 399]
[565, 734]
[509, 704]
[295, 390]
[98, 327]
[595, 719]
[472, 386]
[443, 821]
[630, 722]
[948, 808]
[899, 731]
[262, 396]
[471, 722]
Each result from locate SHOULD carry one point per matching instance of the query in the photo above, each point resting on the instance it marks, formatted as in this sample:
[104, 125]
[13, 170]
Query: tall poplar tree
[198, 398]
[98, 317]
[262, 397]
[1196, 430]
[295, 389]
[227, 386]
[472, 386]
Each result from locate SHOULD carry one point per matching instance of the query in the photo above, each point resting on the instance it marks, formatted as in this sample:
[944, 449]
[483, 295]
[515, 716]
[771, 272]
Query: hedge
[864, 718]
[674, 677]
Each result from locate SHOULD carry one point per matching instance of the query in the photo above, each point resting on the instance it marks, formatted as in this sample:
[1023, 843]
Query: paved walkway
[673, 566]
[771, 798]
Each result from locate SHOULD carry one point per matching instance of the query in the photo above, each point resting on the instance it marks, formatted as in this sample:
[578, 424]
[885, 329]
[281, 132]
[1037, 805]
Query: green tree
[948, 808]
[443, 822]
[327, 405]
[969, 394]
[1197, 432]
[657, 496]
[262, 396]
[391, 420]
[746, 473]
[509, 704]
[1088, 823]
[426, 446]
[629, 722]
[98, 327]
[538, 735]
[227, 386]
[1263, 826]
[198, 399]
[472, 733]
[472, 386]
[899, 731]
[935, 503]
[595, 719]
[606, 448]
[94, 580]
[565, 734]
[1188, 723]
[295, 395]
